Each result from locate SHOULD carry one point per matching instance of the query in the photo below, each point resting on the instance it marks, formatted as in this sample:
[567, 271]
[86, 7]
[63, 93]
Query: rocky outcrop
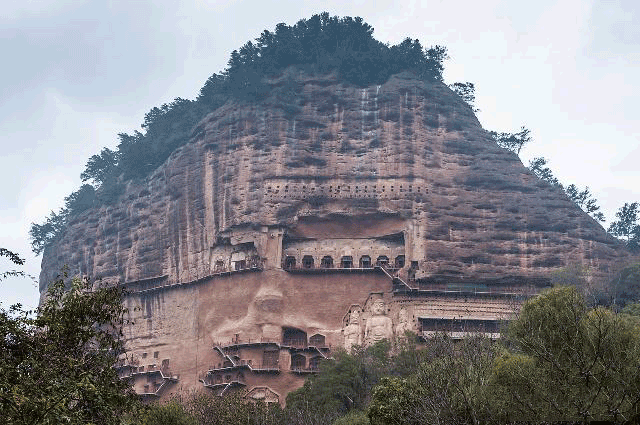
[322, 217]
[318, 154]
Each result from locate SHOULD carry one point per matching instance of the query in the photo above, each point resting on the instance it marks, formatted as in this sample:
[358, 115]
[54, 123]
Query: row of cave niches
[346, 262]
[342, 191]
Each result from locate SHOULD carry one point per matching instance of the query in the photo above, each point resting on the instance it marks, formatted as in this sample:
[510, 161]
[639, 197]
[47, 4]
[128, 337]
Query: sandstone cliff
[320, 159]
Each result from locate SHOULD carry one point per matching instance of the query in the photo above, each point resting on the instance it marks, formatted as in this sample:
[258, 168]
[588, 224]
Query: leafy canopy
[56, 367]
[567, 362]
[512, 141]
[467, 91]
[627, 225]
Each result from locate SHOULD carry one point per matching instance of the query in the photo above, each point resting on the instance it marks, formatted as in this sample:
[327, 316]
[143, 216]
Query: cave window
[382, 261]
[346, 262]
[307, 262]
[327, 262]
[219, 266]
[270, 358]
[240, 265]
[290, 262]
[298, 361]
[317, 340]
[399, 263]
[293, 337]
[365, 262]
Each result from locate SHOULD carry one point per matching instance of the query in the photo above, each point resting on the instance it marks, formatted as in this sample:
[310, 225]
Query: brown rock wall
[333, 171]
[408, 149]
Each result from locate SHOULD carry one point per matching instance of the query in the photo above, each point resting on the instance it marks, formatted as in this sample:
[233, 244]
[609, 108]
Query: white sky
[76, 73]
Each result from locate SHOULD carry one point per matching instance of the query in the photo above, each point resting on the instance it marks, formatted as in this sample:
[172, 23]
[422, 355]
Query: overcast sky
[76, 73]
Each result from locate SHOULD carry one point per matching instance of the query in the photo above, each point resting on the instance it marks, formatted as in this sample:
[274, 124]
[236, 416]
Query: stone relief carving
[378, 326]
[263, 394]
[403, 323]
[262, 321]
[352, 331]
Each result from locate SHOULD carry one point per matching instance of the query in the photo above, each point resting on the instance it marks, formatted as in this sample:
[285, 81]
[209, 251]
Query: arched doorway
[290, 262]
[327, 262]
[307, 262]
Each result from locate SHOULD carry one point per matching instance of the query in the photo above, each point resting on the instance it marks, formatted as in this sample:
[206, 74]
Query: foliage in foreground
[56, 367]
[560, 361]
[208, 409]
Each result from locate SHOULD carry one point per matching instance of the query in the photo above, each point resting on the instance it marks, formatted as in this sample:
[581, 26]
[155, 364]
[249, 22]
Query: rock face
[284, 217]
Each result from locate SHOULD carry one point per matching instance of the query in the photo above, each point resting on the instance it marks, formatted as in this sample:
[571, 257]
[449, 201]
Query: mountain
[298, 223]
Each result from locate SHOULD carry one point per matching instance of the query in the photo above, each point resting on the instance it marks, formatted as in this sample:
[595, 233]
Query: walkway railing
[323, 269]
[151, 287]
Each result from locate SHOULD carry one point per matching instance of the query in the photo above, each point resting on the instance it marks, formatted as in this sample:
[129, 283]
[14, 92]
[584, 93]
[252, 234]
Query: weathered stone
[267, 228]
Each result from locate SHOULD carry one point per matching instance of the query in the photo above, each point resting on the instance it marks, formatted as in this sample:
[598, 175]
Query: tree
[343, 384]
[585, 201]
[625, 287]
[467, 92]
[42, 235]
[15, 259]
[172, 413]
[582, 198]
[99, 167]
[80, 200]
[449, 386]
[539, 168]
[512, 141]
[627, 225]
[57, 367]
[566, 362]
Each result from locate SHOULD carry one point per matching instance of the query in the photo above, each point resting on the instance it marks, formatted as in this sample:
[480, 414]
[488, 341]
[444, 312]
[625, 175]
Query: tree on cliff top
[512, 141]
[627, 226]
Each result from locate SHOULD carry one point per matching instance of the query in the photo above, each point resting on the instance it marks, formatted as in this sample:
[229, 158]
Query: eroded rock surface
[407, 154]
[266, 242]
